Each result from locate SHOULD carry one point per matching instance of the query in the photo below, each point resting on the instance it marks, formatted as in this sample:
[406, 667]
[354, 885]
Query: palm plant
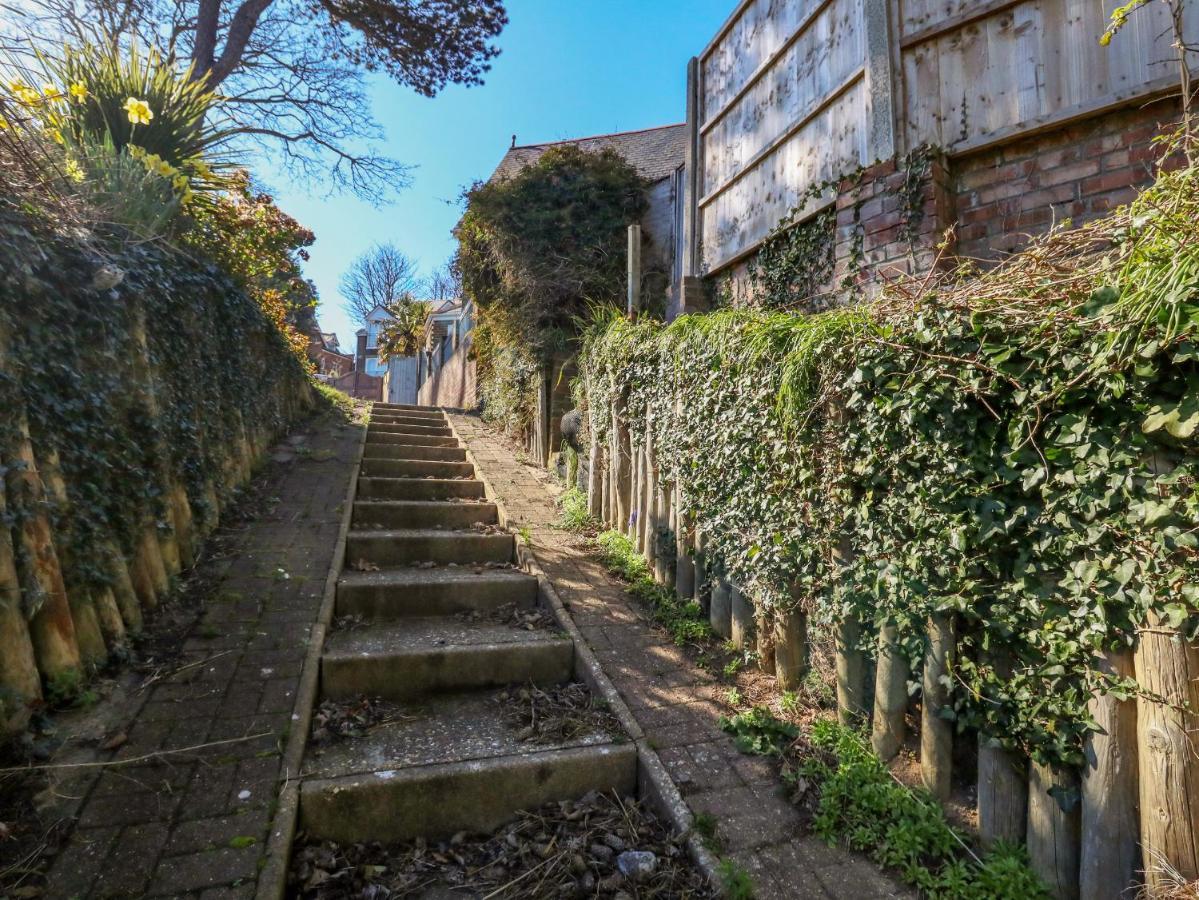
[405, 333]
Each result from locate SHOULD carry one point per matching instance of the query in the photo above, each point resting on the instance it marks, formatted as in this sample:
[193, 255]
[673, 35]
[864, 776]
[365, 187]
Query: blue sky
[569, 68]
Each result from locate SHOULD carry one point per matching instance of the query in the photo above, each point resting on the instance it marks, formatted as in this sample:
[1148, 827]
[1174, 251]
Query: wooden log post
[684, 539]
[1110, 820]
[741, 619]
[595, 467]
[122, 585]
[52, 627]
[764, 633]
[1053, 829]
[851, 672]
[703, 587]
[1167, 666]
[889, 726]
[790, 646]
[622, 471]
[936, 732]
[720, 614]
[1002, 794]
[606, 498]
[20, 684]
[635, 526]
[663, 564]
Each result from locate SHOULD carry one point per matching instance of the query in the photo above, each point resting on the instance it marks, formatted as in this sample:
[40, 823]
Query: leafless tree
[444, 284]
[382, 276]
[293, 70]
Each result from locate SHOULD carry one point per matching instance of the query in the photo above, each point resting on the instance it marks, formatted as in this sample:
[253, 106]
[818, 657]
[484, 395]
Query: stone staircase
[429, 592]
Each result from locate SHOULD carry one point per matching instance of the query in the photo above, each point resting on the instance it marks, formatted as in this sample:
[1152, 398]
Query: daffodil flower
[139, 111]
[51, 93]
[78, 91]
[74, 171]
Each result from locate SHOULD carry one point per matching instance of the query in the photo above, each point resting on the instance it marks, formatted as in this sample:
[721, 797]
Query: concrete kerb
[653, 779]
[272, 880]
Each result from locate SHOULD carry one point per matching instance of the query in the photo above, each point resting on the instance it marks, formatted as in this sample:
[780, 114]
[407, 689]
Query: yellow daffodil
[139, 111]
[51, 93]
[27, 96]
[74, 171]
[135, 151]
[180, 182]
[55, 135]
[202, 170]
[78, 91]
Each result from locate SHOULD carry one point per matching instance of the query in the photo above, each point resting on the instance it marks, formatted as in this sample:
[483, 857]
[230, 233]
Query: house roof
[654, 152]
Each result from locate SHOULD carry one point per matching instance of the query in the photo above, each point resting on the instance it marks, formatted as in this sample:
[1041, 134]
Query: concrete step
[414, 430]
[406, 407]
[414, 451]
[405, 593]
[418, 657]
[415, 468]
[379, 514]
[456, 765]
[419, 489]
[386, 439]
[404, 547]
[404, 419]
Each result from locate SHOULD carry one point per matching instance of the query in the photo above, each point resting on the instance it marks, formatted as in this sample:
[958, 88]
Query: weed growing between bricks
[566, 849]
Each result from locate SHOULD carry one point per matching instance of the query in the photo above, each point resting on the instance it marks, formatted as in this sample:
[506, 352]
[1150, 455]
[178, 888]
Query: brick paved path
[195, 825]
[676, 703]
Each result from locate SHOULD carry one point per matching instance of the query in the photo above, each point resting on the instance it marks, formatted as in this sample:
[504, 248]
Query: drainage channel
[433, 623]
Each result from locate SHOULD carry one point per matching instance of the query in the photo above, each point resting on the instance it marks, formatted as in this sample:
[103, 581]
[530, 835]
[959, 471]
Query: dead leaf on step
[117, 740]
[364, 565]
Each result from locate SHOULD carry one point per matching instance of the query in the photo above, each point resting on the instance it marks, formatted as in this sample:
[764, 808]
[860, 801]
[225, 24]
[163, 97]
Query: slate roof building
[658, 155]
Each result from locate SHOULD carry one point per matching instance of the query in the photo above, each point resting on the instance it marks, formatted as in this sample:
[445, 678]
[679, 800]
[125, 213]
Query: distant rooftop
[654, 152]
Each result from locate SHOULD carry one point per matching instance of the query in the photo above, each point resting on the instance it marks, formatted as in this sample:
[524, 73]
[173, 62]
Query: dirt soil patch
[602, 846]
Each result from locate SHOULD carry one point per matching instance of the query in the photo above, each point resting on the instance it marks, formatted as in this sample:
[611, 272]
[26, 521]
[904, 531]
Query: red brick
[1071, 172]
[1109, 181]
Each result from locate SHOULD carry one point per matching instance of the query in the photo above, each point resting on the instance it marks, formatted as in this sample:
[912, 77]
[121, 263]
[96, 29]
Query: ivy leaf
[1180, 420]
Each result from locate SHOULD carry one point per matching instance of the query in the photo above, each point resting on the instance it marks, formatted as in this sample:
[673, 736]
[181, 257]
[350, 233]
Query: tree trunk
[1053, 831]
[890, 695]
[1168, 667]
[936, 733]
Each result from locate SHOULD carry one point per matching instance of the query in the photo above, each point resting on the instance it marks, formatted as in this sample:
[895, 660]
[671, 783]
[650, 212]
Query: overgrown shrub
[1016, 450]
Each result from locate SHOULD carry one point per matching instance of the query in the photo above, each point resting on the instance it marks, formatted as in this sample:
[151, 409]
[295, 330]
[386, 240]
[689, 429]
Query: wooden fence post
[595, 469]
[622, 480]
[663, 570]
[20, 685]
[1167, 666]
[703, 586]
[634, 528]
[890, 695]
[851, 704]
[1053, 832]
[764, 632]
[684, 561]
[1110, 826]
[936, 733]
[790, 646]
[720, 615]
[741, 619]
[1002, 794]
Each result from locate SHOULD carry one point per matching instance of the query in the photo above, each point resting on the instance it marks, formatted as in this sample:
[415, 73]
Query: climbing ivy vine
[1018, 450]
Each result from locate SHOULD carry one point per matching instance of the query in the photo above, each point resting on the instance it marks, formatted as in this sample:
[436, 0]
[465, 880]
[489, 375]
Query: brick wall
[1078, 172]
[999, 198]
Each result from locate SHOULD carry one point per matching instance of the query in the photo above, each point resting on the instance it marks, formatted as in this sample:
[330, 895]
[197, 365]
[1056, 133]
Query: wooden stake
[622, 484]
[1110, 820]
[1002, 794]
[890, 695]
[1168, 667]
[721, 613]
[851, 704]
[790, 648]
[936, 733]
[741, 619]
[634, 271]
[684, 561]
[702, 593]
[1053, 829]
[19, 680]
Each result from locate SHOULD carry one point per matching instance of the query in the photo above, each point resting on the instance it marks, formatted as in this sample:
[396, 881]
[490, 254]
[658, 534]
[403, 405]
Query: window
[376, 368]
[372, 335]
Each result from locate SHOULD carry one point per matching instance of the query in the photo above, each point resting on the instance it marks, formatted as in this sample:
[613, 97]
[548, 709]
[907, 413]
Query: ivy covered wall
[138, 388]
